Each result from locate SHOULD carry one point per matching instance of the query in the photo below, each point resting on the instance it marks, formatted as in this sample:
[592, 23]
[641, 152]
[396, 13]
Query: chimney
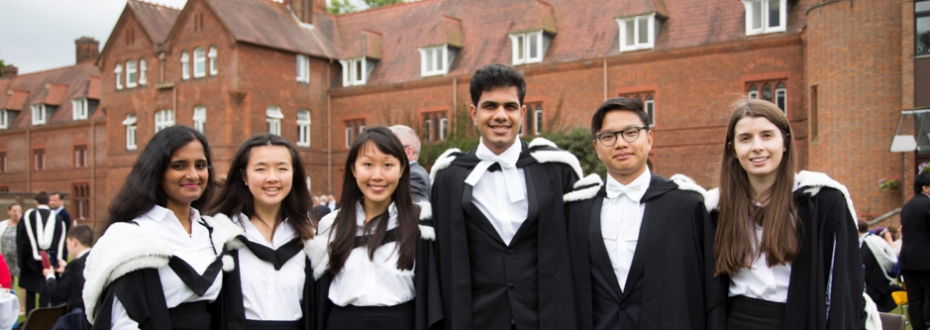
[86, 50]
[303, 9]
[9, 71]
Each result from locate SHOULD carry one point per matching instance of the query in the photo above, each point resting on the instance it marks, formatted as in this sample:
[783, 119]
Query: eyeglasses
[609, 139]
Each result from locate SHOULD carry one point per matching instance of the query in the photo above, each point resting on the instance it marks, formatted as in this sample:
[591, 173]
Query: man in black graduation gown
[877, 259]
[641, 245]
[500, 220]
[915, 259]
[67, 286]
[41, 231]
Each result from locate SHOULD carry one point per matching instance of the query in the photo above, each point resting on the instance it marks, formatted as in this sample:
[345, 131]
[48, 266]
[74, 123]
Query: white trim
[200, 62]
[303, 68]
[4, 118]
[131, 74]
[118, 71]
[784, 92]
[79, 109]
[441, 163]
[185, 67]
[200, 118]
[164, 118]
[273, 118]
[522, 47]
[303, 128]
[559, 156]
[763, 17]
[443, 126]
[213, 61]
[142, 69]
[434, 61]
[542, 142]
[39, 114]
[130, 123]
[537, 120]
[354, 71]
[637, 44]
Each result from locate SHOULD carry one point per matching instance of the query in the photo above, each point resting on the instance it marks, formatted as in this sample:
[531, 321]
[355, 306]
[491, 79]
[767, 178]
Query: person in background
[320, 209]
[57, 204]
[419, 178]
[9, 303]
[893, 236]
[41, 235]
[915, 261]
[330, 202]
[8, 239]
[65, 287]
[878, 258]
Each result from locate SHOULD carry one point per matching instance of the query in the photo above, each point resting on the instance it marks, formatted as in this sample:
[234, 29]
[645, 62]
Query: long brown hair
[735, 236]
[408, 214]
[236, 198]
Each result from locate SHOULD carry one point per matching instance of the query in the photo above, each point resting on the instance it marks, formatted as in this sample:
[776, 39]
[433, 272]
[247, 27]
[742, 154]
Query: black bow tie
[276, 257]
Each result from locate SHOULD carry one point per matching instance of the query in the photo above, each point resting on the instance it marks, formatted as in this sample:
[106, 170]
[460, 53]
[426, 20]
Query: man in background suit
[56, 202]
[40, 231]
[419, 178]
[66, 287]
[915, 261]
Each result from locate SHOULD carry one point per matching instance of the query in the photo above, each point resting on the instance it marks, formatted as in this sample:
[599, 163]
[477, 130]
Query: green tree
[339, 7]
[381, 3]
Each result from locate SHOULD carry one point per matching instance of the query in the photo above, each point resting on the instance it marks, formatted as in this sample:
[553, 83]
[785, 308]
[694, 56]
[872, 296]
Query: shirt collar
[44, 207]
[635, 190]
[509, 156]
[59, 209]
[159, 213]
[83, 253]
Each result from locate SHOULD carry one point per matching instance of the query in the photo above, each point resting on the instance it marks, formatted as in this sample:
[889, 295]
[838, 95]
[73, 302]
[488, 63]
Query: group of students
[513, 236]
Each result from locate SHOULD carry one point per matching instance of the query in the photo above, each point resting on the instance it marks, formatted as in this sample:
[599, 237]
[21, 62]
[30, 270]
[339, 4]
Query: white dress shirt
[196, 249]
[492, 193]
[761, 281]
[621, 219]
[267, 294]
[367, 282]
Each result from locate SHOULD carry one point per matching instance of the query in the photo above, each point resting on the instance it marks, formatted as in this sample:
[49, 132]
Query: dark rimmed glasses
[609, 139]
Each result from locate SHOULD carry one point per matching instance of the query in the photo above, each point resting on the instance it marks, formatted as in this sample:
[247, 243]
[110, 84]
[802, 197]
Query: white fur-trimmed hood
[125, 248]
[585, 188]
[225, 232]
[557, 156]
[317, 248]
[441, 163]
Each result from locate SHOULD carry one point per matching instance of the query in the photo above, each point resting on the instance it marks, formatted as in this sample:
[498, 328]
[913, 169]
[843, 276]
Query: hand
[48, 271]
[61, 266]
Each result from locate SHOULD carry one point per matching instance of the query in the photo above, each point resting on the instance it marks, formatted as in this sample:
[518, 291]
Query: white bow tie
[511, 176]
[615, 190]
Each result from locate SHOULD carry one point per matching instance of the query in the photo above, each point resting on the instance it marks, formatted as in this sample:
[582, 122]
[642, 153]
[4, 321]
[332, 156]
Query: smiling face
[186, 176]
[625, 161]
[498, 116]
[269, 175]
[376, 174]
[760, 146]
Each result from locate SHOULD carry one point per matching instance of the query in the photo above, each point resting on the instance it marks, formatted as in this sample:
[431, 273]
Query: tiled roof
[272, 24]
[369, 44]
[53, 87]
[446, 30]
[157, 20]
[538, 16]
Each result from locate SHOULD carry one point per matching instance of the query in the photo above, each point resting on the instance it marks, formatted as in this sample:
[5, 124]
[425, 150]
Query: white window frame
[434, 61]
[200, 118]
[522, 47]
[443, 126]
[4, 118]
[200, 62]
[303, 128]
[79, 109]
[348, 136]
[753, 95]
[130, 123]
[118, 72]
[752, 15]
[637, 44]
[131, 74]
[350, 71]
[303, 68]
[142, 68]
[650, 108]
[185, 67]
[39, 112]
[213, 62]
[782, 92]
[537, 120]
[164, 118]
[273, 118]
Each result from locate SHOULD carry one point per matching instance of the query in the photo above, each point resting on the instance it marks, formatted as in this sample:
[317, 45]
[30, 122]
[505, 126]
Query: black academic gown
[487, 284]
[141, 294]
[824, 217]
[428, 313]
[877, 285]
[670, 284]
[233, 310]
[31, 277]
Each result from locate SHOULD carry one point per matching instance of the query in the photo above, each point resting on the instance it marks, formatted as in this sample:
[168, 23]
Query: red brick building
[842, 70]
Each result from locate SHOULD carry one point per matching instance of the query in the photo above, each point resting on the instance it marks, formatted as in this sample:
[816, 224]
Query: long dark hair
[142, 189]
[236, 198]
[408, 215]
[733, 245]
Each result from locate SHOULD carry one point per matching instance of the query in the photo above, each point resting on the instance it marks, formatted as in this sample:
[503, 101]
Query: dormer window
[434, 61]
[118, 71]
[38, 114]
[528, 47]
[637, 32]
[354, 71]
[765, 16]
[79, 110]
[4, 118]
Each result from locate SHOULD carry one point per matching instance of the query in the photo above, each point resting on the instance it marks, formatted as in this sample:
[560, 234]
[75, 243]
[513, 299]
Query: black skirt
[272, 325]
[398, 317]
[754, 314]
[190, 316]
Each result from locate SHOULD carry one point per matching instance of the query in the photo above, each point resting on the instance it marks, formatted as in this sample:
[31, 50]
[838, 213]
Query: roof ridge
[398, 5]
[54, 69]
[156, 5]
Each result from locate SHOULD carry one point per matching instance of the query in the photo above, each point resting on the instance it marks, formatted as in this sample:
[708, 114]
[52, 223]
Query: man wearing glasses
[641, 245]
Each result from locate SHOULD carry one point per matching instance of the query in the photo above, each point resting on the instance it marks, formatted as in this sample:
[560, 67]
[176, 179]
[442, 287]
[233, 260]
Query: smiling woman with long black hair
[158, 264]
[373, 259]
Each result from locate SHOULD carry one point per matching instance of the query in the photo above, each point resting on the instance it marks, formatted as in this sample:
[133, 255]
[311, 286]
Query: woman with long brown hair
[786, 243]
[372, 259]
